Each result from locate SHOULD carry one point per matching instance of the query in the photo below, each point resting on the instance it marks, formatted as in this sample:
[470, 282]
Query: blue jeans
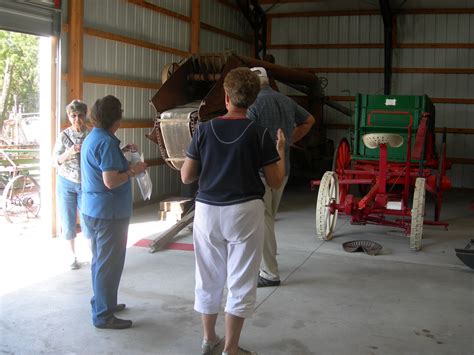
[69, 201]
[109, 244]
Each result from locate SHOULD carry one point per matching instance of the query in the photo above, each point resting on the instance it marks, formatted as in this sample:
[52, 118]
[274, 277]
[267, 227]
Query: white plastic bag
[143, 179]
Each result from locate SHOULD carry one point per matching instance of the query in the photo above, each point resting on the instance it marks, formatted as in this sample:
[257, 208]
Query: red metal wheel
[342, 162]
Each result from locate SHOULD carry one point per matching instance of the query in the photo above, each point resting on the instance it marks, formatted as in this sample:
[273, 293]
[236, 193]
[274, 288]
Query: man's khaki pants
[271, 199]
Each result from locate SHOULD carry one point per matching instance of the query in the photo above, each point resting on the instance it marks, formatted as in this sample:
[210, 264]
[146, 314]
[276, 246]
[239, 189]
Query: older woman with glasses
[226, 155]
[107, 207]
[68, 183]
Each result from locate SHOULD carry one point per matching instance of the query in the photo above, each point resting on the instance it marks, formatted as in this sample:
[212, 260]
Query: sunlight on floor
[28, 257]
[146, 230]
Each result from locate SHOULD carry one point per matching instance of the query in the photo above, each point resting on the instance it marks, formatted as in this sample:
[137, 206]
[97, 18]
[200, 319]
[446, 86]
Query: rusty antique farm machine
[193, 92]
[393, 161]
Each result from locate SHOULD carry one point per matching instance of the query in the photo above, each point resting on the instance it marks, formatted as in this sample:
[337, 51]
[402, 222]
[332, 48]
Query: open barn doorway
[25, 131]
[28, 84]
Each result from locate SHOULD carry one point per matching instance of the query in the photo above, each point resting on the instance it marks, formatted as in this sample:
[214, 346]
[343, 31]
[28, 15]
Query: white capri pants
[228, 247]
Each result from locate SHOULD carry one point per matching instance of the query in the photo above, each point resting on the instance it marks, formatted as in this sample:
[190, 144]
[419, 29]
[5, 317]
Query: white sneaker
[209, 347]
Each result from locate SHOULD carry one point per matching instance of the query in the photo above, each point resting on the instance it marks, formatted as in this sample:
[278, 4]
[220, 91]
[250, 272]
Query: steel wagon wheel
[21, 199]
[325, 218]
[417, 214]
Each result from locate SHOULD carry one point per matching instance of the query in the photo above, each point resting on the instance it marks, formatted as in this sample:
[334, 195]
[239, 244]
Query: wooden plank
[446, 11]
[369, 45]
[454, 130]
[394, 70]
[160, 10]
[342, 70]
[121, 82]
[210, 28]
[368, 12]
[462, 161]
[438, 100]
[326, 46]
[446, 100]
[134, 42]
[75, 49]
[168, 235]
[435, 45]
[129, 123]
[195, 25]
[136, 123]
[53, 131]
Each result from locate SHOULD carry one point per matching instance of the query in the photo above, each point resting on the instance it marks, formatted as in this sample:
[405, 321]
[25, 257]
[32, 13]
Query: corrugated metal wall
[437, 28]
[229, 19]
[107, 58]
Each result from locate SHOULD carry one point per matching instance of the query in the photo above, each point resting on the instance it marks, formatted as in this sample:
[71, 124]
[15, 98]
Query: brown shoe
[115, 323]
[120, 307]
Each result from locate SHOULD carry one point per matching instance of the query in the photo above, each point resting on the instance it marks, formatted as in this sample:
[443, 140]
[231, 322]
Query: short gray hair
[76, 106]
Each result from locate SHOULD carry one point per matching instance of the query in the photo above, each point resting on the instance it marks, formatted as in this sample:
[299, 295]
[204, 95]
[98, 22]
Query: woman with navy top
[226, 155]
[106, 208]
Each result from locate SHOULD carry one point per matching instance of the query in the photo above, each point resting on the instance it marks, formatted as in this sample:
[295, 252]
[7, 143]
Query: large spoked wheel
[326, 217]
[21, 199]
[341, 163]
[417, 214]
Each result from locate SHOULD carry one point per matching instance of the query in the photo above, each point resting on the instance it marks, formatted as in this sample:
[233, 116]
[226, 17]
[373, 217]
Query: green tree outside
[18, 73]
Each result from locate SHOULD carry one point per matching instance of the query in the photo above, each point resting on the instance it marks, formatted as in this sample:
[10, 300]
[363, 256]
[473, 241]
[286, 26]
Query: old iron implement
[192, 92]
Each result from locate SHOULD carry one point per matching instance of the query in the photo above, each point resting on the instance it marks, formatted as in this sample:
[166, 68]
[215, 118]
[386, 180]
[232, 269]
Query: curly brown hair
[106, 111]
[242, 86]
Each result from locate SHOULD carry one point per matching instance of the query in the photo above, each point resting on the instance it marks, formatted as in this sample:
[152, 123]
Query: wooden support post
[195, 25]
[53, 127]
[75, 49]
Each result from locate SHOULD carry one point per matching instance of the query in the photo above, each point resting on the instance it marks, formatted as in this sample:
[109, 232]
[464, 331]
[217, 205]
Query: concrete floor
[330, 302]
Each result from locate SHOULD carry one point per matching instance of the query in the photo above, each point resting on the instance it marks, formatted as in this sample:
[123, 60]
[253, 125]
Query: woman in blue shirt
[106, 208]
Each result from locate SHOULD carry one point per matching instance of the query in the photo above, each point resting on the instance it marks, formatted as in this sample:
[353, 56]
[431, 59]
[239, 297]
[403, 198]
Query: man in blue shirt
[274, 110]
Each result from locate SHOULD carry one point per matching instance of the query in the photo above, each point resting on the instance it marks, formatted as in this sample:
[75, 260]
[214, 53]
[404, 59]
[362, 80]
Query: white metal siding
[213, 42]
[136, 22]
[125, 61]
[224, 17]
[228, 19]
